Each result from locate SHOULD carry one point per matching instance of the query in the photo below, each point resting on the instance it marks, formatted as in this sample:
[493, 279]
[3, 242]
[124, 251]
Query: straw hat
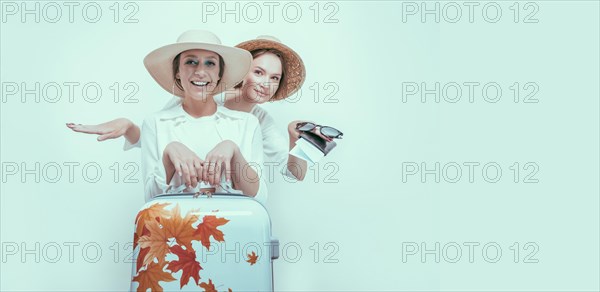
[294, 67]
[160, 61]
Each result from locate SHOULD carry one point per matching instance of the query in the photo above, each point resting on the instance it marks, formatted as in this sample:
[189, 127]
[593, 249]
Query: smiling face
[264, 77]
[198, 73]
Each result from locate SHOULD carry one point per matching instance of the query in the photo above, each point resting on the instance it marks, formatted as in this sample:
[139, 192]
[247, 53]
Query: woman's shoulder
[262, 115]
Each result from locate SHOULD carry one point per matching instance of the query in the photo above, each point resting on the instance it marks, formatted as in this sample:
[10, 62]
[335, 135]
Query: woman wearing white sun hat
[195, 141]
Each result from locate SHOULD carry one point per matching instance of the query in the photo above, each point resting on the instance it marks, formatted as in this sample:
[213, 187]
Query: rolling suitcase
[219, 242]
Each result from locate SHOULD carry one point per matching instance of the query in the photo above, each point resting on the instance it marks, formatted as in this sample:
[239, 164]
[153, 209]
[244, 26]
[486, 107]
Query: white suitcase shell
[218, 243]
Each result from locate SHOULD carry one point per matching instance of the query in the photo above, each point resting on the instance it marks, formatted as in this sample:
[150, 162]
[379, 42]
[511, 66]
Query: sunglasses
[324, 130]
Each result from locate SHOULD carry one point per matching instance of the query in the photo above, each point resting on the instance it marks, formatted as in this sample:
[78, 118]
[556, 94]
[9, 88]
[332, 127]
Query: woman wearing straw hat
[277, 72]
[195, 141]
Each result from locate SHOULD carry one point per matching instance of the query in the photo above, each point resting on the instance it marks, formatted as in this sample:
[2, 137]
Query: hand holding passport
[311, 147]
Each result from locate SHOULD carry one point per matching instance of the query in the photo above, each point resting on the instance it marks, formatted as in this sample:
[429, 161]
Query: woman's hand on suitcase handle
[180, 159]
[219, 157]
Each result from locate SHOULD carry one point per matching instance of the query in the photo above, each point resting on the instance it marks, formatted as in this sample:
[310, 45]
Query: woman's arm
[243, 169]
[110, 130]
[246, 179]
[153, 170]
[133, 134]
[295, 165]
[178, 158]
[228, 156]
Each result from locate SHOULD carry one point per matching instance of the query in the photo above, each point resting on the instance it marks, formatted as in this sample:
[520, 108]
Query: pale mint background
[370, 212]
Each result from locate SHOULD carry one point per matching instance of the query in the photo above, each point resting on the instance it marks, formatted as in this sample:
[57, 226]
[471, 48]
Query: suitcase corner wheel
[220, 243]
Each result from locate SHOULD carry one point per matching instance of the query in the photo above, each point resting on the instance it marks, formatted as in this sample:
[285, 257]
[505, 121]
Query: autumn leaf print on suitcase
[218, 243]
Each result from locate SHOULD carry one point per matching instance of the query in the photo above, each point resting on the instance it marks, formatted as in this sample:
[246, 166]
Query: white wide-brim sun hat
[159, 62]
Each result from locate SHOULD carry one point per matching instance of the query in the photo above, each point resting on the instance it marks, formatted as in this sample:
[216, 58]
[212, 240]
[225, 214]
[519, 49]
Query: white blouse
[201, 135]
[275, 139]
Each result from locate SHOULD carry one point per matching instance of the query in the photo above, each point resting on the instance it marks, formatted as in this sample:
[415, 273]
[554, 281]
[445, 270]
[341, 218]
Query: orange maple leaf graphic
[181, 228]
[141, 257]
[156, 210]
[156, 241]
[210, 287]
[150, 277]
[187, 262]
[252, 258]
[208, 227]
[152, 212]
[136, 236]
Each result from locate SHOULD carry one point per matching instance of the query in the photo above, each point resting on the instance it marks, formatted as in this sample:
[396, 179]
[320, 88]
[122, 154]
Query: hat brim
[295, 71]
[159, 64]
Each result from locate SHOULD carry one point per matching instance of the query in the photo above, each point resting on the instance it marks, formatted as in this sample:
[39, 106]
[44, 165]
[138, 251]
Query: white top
[200, 135]
[275, 139]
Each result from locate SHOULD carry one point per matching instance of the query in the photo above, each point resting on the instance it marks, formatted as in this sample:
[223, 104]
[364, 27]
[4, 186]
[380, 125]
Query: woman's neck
[198, 108]
[239, 105]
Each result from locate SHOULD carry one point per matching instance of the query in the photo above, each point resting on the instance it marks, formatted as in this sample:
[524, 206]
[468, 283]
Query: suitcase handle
[274, 248]
[195, 195]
